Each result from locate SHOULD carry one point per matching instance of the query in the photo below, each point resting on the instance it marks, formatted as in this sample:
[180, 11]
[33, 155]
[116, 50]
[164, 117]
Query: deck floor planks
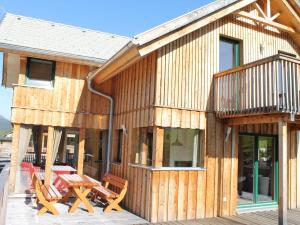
[23, 211]
[255, 218]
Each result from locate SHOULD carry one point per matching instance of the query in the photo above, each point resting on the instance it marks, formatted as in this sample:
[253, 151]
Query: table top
[75, 180]
[63, 168]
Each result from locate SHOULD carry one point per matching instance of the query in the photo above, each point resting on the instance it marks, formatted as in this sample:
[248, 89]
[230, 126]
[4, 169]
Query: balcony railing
[265, 86]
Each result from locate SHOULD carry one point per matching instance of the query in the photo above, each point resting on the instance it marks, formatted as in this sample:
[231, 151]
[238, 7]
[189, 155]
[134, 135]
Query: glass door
[257, 170]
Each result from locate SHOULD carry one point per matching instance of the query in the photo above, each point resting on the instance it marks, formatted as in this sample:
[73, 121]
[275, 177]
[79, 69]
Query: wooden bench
[113, 197]
[47, 196]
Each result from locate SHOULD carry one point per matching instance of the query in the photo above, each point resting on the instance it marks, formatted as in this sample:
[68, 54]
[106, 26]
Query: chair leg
[113, 204]
[48, 206]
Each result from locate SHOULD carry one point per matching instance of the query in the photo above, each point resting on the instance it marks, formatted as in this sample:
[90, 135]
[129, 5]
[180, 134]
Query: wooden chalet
[199, 114]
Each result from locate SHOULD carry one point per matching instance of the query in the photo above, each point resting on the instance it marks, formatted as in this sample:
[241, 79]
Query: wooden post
[14, 157]
[282, 148]
[298, 169]
[49, 155]
[39, 146]
[81, 151]
[158, 146]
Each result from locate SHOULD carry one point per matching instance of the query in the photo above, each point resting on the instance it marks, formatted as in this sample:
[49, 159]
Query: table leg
[81, 197]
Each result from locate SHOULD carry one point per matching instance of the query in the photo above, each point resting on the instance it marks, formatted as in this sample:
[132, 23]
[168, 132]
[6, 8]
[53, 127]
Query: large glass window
[182, 148]
[229, 54]
[40, 72]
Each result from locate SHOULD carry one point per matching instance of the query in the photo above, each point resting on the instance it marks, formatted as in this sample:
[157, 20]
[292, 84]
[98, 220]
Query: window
[119, 149]
[143, 146]
[40, 72]
[102, 145]
[182, 148]
[229, 54]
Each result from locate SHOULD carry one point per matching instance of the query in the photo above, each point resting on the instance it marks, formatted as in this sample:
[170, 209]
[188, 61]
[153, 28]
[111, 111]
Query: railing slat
[268, 85]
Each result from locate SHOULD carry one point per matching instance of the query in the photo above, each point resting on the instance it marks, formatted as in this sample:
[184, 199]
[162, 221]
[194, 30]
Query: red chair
[25, 165]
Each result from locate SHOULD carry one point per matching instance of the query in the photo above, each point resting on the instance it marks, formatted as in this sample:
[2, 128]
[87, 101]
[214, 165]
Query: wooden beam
[266, 22]
[269, 8]
[257, 119]
[158, 146]
[81, 151]
[259, 9]
[14, 157]
[282, 149]
[291, 10]
[275, 16]
[50, 145]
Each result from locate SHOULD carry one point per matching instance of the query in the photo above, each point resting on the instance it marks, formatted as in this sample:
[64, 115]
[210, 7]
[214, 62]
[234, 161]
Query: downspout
[110, 126]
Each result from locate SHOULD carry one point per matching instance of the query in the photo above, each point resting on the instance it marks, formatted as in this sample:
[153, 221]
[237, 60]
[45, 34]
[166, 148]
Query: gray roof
[181, 21]
[45, 37]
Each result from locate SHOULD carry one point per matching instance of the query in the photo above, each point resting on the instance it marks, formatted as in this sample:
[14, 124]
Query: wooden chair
[105, 192]
[47, 196]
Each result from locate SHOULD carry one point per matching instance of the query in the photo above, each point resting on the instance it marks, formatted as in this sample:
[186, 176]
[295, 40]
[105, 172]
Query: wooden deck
[257, 218]
[23, 211]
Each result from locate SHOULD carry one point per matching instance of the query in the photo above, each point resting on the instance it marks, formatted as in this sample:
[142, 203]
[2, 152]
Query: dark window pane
[40, 72]
[119, 150]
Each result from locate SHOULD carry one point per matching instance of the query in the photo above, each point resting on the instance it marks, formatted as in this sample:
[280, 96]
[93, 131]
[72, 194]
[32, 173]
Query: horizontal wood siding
[69, 103]
[186, 66]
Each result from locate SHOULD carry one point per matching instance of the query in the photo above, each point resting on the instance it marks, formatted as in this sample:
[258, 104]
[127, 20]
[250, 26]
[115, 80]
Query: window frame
[237, 48]
[36, 82]
[201, 152]
[119, 146]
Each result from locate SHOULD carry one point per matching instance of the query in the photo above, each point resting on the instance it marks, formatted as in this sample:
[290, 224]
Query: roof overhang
[52, 55]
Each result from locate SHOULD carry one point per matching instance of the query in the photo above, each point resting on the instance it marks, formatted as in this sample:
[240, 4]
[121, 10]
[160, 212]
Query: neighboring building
[5, 146]
[205, 113]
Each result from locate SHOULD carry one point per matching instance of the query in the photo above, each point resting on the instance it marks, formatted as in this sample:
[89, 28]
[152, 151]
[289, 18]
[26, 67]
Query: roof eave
[48, 54]
[123, 58]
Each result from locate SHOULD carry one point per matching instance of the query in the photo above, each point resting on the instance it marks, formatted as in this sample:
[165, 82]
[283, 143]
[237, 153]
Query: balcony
[270, 85]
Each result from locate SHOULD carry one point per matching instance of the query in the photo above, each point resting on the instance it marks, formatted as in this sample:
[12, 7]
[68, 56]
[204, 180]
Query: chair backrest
[37, 179]
[115, 181]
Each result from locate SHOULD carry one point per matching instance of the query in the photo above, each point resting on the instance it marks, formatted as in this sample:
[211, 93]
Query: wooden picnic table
[58, 170]
[80, 186]
[63, 169]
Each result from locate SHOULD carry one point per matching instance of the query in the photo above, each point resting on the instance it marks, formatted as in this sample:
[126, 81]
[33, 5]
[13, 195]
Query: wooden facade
[173, 86]
[179, 93]
[68, 104]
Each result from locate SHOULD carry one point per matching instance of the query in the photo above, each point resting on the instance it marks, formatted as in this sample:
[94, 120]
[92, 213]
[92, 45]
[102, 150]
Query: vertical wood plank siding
[133, 91]
[186, 67]
[68, 104]
[173, 87]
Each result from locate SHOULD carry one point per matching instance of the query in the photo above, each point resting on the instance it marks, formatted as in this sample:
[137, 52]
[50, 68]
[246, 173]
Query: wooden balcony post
[50, 144]
[14, 157]
[282, 148]
[158, 146]
[81, 151]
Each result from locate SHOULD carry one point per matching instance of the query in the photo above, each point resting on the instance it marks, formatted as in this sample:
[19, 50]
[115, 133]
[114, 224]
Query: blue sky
[124, 17]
